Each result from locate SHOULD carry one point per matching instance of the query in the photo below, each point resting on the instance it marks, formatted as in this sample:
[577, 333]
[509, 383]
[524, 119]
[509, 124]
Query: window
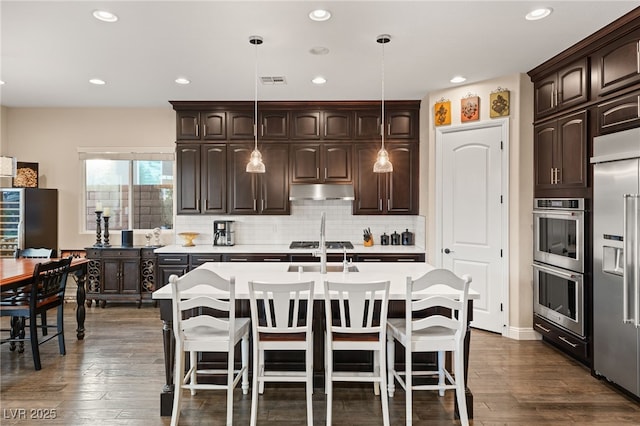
[136, 193]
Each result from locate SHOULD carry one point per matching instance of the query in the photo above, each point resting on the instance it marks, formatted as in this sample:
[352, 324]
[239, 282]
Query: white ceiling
[50, 49]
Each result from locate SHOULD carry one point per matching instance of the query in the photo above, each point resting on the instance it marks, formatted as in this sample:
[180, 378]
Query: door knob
[447, 251]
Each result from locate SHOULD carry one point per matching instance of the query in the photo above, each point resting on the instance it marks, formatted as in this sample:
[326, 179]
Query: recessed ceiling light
[182, 80]
[458, 79]
[97, 82]
[104, 16]
[319, 15]
[319, 80]
[319, 50]
[536, 14]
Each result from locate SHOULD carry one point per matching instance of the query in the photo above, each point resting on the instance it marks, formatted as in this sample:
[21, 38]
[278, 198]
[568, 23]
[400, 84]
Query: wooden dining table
[15, 273]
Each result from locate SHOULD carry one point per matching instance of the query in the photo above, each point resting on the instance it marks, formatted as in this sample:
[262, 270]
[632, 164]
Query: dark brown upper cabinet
[241, 125]
[258, 193]
[274, 124]
[201, 178]
[399, 124]
[617, 65]
[386, 193]
[621, 113]
[560, 156]
[315, 125]
[320, 162]
[562, 89]
[201, 125]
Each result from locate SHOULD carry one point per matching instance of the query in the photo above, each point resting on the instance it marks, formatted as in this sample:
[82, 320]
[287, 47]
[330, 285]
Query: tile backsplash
[303, 224]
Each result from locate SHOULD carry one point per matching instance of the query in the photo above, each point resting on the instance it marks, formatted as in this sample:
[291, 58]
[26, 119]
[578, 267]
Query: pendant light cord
[255, 97]
[382, 130]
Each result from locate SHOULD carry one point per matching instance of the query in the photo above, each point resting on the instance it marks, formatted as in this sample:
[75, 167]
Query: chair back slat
[216, 313]
[356, 305]
[452, 297]
[49, 280]
[34, 253]
[281, 307]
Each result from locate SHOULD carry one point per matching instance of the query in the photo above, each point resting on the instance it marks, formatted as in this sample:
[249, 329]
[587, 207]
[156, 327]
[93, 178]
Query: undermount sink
[316, 268]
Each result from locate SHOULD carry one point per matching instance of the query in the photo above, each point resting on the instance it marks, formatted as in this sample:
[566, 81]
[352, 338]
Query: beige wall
[520, 183]
[52, 136]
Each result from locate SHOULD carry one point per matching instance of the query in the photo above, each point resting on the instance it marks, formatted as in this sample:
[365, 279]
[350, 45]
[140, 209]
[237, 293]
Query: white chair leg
[460, 388]
[441, 379]
[383, 384]
[244, 347]
[329, 384]
[391, 356]
[254, 386]
[261, 383]
[408, 380]
[177, 385]
[230, 377]
[193, 364]
[376, 371]
[309, 362]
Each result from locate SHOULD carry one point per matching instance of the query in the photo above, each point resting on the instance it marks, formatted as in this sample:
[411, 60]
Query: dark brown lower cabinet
[565, 341]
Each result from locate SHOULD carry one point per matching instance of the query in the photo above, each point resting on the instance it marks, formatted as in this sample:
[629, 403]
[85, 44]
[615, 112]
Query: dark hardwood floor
[115, 375]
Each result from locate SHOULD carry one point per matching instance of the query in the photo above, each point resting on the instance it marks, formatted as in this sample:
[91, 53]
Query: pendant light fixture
[382, 164]
[255, 164]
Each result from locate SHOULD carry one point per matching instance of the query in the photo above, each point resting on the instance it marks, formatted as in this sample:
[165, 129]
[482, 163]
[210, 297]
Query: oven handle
[554, 271]
[558, 212]
[631, 250]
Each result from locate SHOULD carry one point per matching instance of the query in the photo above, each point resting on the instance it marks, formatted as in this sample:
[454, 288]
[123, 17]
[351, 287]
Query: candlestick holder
[106, 231]
[98, 229]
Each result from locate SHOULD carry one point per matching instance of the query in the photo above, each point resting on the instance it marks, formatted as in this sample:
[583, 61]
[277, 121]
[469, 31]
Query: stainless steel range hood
[321, 191]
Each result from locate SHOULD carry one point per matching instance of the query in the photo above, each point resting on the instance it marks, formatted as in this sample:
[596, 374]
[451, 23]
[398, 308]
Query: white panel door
[471, 216]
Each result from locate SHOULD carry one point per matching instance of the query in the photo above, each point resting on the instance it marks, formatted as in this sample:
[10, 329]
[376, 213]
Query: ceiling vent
[277, 80]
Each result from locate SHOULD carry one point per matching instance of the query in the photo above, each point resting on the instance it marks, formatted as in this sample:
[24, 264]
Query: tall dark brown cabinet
[588, 90]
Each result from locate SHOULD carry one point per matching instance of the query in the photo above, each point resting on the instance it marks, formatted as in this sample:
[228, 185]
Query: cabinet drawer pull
[206, 259]
[272, 259]
[171, 259]
[238, 259]
[573, 345]
[373, 260]
[317, 172]
[204, 130]
[197, 130]
[638, 57]
[405, 260]
[546, 330]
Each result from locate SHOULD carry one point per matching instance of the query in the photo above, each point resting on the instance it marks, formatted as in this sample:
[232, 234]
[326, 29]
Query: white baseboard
[522, 333]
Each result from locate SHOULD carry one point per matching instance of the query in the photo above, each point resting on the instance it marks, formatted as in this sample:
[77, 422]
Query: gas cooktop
[316, 244]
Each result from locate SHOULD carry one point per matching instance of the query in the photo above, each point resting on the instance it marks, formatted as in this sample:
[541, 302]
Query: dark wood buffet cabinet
[590, 89]
[301, 142]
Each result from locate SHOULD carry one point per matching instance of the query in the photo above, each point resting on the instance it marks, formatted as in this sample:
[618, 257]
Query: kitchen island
[396, 273]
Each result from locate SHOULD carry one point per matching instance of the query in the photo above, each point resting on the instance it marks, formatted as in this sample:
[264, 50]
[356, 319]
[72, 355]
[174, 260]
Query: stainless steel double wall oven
[558, 268]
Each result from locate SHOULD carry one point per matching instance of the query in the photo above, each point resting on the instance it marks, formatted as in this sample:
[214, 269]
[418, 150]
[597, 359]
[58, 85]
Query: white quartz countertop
[244, 272]
[284, 248]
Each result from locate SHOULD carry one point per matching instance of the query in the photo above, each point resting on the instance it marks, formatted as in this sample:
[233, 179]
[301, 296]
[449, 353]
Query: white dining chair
[356, 316]
[439, 290]
[281, 319]
[207, 323]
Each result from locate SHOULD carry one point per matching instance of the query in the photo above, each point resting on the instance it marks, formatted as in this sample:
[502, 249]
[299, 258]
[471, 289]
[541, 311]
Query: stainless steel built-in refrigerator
[616, 249]
[28, 218]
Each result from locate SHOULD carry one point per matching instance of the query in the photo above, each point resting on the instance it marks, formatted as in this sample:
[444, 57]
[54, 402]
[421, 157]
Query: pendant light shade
[382, 164]
[255, 164]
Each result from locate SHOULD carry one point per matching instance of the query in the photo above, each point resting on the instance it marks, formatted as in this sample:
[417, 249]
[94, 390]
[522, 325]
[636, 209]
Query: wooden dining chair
[34, 253]
[356, 317]
[207, 323]
[45, 292]
[281, 318]
[422, 330]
